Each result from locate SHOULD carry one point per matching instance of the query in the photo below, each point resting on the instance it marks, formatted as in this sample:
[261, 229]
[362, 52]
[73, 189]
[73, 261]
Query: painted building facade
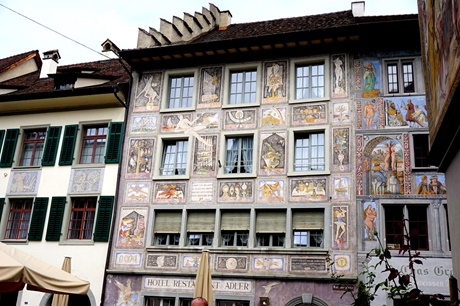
[258, 142]
[61, 130]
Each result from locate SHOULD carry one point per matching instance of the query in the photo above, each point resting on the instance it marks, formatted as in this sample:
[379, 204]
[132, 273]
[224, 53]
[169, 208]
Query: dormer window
[64, 86]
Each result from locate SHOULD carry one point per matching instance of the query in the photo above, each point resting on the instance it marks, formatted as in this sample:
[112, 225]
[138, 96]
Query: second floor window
[309, 152]
[32, 150]
[180, 92]
[174, 160]
[243, 87]
[239, 155]
[82, 218]
[18, 219]
[400, 76]
[93, 145]
[310, 81]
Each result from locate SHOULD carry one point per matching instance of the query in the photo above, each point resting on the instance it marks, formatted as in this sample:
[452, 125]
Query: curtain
[247, 154]
[232, 154]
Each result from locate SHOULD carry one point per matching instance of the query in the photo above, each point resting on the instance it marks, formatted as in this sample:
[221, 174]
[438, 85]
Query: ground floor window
[232, 303]
[156, 301]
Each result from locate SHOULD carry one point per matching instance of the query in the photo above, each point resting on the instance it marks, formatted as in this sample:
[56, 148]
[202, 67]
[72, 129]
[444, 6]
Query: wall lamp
[264, 301]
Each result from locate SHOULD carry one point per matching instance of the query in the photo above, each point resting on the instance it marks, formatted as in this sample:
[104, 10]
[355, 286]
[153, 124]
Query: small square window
[93, 144]
[32, 148]
[243, 87]
[181, 90]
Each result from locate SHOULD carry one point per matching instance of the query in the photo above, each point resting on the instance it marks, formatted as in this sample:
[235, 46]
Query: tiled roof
[7, 62]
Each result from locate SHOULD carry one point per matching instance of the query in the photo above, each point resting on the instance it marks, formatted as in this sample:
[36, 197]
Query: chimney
[50, 62]
[357, 8]
[109, 49]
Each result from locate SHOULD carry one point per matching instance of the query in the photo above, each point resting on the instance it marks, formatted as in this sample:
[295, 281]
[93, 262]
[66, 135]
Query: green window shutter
[51, 145]
[53, 232]
[37, 223]
[68, 145]
[112, 153]
[2, 134]
[11, 140]
[2, 204]
[104, 219]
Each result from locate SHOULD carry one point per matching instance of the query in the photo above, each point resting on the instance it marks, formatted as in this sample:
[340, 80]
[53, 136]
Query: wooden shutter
[308, 219]
[51, 145]
[104, 218]
[272, 221]
[37, 222]
[235, 221]
[112, 153]
[2, 135]
[2, 204]
[167, 221]
[201, 221]
[68, 145]
[53, 232]
[11, 140]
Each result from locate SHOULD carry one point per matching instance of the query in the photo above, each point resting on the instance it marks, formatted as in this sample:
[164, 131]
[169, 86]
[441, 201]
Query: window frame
[33, 161]
[235, 68]
[83, 137]
[414, 155]
[294, 63]
[223, 153]
[291, 150]
[159, 157]
[8, 213]
[169, 75]
[82, 228]
[419, 86]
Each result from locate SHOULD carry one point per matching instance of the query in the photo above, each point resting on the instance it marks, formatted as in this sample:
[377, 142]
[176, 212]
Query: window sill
[310, 100]
[76, 166]
[25, 167]
[236, 175]
[403, 94]
[240, 105]
[308, 173]
[180, 109]
[76, 242]
[170, 177]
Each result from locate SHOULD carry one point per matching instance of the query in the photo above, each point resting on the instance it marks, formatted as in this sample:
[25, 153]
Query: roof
[12, 61]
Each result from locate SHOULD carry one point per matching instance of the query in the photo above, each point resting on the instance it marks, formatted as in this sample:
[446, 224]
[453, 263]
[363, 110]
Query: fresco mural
[237, 119]
[271, 191]
[430, 184]
[340, 112]
[138, 192]
[371, 78]
[370, 220]
[169, 192]
[236, 191]
[204, 159]
[342, 262]
[268, 263]
[148, 93]
[275, 82]
[340, 227]
[140, 155]
[161, 261]
[370, 114]
[272, 153]
[131, 229]
[144, 124]
[232, 263]
[24, 182]
[358, 75]
[341, 150]
[308, 190]
[87, 180]
[406, 112]
[384, 163]
[341, 188]
[202, 191]
[191, 261]
[183, 123]
[309, 114]
[210, 87]
[339, 76]
[210, 120]
[273, 117]
[126, 295]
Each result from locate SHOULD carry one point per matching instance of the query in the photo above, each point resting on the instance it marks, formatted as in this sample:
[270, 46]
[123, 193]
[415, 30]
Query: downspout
[120, 162]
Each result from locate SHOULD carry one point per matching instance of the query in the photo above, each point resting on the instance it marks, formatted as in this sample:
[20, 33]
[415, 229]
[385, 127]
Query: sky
[76, 28]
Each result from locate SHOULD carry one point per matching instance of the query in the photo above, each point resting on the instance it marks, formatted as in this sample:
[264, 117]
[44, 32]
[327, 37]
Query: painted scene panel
[339, 76]
[406, 112]
[140, 155]
[237, 119]
[236, 191]
[211, 87]
[309, 114]
[371, 78]
[148, 93]
[131, 228]
[273, 117]
[144, 124]
[169, 192]
[275, 82]
[340, 112]
[430, 184]
[340, 227]
[138, 192]
[273, 153]
[370, 220]
[308, 190]
[204, 158]
[271, 191]
[341, 151]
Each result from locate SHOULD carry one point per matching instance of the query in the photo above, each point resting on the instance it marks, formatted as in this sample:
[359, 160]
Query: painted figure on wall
[371, 80]
[169, 193]
[369, 215]
[339, 78]
[272, 153]
[310, 190]
[204, 159]
[341, 156]
[126, 295]
[140, 158]
[423, 188]
[271, 191]
[408, 113]
[241, 191]
[144, 124]
[131, 229]
[273, 116]
[341, 112]
[341, 188]
[340, 222]
[436, 187]
[369, 112]
[240, 119]
[275, 82]
[210, 87]
[309, 114]
[148, 94]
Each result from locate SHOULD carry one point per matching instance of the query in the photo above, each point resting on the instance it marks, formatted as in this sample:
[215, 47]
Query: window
[17, 226]
[233, 303]
[181, 91]
[93, 144]
[270, 228]
[421, 145]
[411, 220]
[310, 81]
[239, 152]
[33, 145]
[309, 151]
[243, 87]
[174, 160]
[82, 218]
[157, 301]
[235, 228]
[200, 228]
[167, 228]
[401, 76]
[308, 228]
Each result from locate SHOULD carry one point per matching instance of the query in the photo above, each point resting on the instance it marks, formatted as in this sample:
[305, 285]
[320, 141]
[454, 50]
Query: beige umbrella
[62, 299]
[203, 282]
[18, 268]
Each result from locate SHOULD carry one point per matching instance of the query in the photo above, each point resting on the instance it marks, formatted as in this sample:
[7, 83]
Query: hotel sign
[187, 284]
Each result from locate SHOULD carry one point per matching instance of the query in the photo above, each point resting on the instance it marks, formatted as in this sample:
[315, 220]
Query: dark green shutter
[2, 204]
[112, 153]
[37, 223]
[2, 134]
[51, 145]
[68, 145]
[53, 232]
[11, 140]
[104, 218]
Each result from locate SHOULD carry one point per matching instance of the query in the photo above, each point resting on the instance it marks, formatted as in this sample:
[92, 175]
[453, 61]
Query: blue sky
[91, 22]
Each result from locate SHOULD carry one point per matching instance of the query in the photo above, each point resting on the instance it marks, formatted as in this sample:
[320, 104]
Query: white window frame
[223, 154]
[293, 76]
[159, 157]
[229, 69]
[419, 85]
[412, 143]
[291, 150]
[166, 88]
